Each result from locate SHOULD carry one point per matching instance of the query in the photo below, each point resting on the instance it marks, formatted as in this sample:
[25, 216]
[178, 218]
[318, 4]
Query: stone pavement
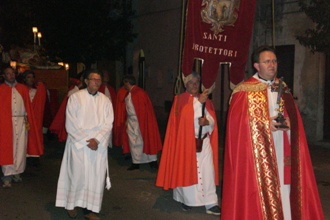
[133, 194]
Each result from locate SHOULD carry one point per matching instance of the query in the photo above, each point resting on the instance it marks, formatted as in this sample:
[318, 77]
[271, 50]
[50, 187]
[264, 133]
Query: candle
[39, 36]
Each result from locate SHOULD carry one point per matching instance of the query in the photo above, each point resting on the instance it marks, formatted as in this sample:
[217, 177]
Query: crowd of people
[267, 171]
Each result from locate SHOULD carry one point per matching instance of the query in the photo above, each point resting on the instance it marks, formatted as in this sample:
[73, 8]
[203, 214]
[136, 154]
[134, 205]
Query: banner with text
[218, 31]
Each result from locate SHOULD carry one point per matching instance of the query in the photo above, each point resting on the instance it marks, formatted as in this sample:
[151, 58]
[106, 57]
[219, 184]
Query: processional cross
[280, 89]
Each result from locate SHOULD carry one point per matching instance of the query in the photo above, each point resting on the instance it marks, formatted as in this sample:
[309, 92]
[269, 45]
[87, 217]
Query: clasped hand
[92, 144]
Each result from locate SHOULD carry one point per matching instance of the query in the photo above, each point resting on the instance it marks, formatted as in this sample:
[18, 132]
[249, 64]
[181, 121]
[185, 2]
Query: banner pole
[273, 21]
[178, 80]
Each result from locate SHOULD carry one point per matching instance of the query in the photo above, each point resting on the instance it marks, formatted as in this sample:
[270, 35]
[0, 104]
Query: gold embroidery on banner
[220, 13]
[263, 151]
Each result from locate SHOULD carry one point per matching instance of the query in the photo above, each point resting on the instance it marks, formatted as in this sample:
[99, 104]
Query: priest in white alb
[84, 170]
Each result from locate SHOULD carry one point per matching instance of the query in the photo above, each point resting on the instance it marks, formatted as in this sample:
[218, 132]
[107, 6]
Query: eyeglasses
[267, 62]
[94, 80]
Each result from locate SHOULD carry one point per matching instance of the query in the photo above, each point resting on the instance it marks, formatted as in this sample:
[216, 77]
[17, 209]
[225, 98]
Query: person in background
[38, 95]
[106, 89]
[267, 167]
[120, 120]
[109, 92]
[142, 138]
[18, 128]
[84, 169]
[57, 126]
[119, 124]
[189, 164]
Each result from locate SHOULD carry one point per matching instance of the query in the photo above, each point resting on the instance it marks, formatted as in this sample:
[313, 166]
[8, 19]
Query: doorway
[285, 57]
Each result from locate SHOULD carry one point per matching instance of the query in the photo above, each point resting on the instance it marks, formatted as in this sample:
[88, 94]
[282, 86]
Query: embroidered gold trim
[296, 179]
[249, 87]
[263, 151]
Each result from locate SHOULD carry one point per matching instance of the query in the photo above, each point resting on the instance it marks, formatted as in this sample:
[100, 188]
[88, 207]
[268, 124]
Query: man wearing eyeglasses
[267, 167]
[84, 169]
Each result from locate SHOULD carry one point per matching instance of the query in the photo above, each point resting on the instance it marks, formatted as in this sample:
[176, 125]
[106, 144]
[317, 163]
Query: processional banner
[217, 31]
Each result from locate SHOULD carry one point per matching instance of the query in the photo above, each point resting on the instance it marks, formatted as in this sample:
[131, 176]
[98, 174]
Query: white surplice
[83, 171]
[204, 192]
[279, 149]
[134, 135]
[20, 135]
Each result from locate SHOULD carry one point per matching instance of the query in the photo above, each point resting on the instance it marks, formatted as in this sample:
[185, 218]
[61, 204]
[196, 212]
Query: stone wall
[308, 88]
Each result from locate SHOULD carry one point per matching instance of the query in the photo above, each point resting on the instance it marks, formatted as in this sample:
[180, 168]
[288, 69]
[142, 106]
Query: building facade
[159, 28]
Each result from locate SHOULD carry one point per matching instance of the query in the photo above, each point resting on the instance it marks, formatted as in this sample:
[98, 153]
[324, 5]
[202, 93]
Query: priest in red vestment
[191, 173]
[38, 95]
[142, 138]
[267, 167]
[58, 124]
[18, 129]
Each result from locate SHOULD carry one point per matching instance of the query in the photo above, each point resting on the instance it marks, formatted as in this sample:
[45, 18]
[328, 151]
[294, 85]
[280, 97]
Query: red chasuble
[6, 127]
[250, 180]
[178, 165]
